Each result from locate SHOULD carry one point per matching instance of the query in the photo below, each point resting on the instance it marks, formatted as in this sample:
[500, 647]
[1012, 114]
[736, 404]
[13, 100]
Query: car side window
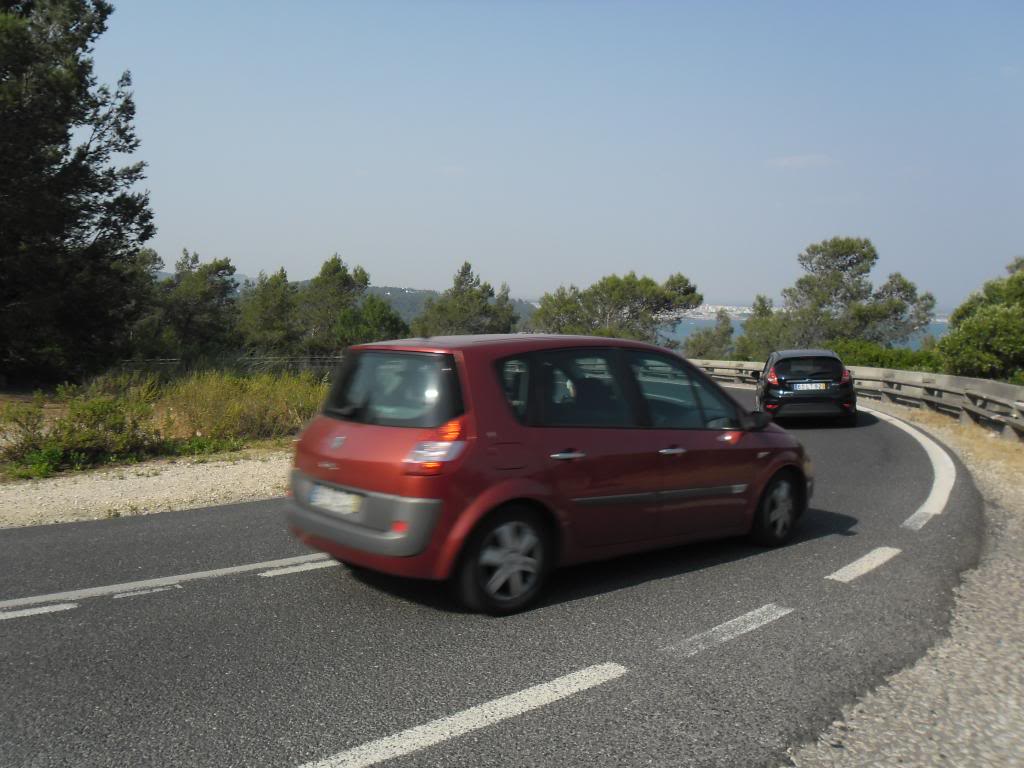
[719, 410]
[581, 388]
[666, 387]
[514, 376]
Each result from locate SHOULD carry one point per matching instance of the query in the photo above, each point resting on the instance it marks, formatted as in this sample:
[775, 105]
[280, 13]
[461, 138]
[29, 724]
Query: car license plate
[802, 387]
[331, 500]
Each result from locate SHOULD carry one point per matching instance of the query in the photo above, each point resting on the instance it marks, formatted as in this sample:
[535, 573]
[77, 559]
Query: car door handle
[673, 451]
[568, 455]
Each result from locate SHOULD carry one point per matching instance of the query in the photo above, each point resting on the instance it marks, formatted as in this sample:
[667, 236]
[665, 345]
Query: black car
[806, 382]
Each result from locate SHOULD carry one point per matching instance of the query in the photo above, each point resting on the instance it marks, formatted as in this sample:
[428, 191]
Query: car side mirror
[756, 420]
[755, 375]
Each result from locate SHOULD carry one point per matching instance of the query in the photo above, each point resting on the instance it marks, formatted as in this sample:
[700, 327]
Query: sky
[555, 142]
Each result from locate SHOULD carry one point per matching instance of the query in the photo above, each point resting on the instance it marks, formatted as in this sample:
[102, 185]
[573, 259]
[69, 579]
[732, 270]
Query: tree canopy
[835, 300]
[193, 313]
[469, 306]
[268, 315]
[333, 291]
[628, 307]
[72, 221]
[986, 336]
[711, 343]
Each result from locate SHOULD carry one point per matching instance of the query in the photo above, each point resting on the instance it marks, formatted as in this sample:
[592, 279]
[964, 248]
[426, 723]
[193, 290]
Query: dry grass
[124, 418]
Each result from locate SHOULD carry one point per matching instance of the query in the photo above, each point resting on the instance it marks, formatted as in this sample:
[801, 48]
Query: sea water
[690, 325]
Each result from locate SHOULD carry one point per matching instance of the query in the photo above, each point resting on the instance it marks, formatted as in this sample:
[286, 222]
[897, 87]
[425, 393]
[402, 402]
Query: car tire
[777, 511]
[505, 562]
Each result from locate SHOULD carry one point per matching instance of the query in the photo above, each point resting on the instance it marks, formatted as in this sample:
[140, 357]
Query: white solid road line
[300, 568]
[729, 630]
[942, 466]
[472, 719]
[4, 615]
[859, 567]
[165, 581]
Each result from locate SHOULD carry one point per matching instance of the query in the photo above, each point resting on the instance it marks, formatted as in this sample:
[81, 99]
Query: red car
[489, 460]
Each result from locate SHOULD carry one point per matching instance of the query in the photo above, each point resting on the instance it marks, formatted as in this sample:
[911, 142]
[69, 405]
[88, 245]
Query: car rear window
[396, 389]
[809, 368]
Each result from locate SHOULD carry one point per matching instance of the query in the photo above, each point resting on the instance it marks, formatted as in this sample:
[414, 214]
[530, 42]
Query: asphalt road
[717, 654]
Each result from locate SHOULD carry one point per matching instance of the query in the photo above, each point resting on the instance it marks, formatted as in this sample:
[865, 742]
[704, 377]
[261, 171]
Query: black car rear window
[809, 368]
[396, 389]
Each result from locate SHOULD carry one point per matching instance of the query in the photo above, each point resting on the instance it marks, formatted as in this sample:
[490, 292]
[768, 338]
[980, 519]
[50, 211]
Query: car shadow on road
[589, 579]
[798, 424]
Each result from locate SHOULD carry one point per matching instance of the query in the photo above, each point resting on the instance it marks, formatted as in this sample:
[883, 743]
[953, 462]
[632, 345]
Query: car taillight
[430, 456]
[846, 376]
[772, 378]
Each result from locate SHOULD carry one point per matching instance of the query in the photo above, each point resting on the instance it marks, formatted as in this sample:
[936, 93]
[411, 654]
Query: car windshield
[809, 368]
[396, 389]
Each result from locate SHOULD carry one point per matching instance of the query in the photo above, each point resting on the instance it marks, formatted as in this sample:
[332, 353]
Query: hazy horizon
[555, 143]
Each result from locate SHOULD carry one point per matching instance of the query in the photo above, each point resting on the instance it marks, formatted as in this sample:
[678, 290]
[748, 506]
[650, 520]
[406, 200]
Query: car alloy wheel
[781, 509]
[509, 560]
[505, 561]
[777, 511]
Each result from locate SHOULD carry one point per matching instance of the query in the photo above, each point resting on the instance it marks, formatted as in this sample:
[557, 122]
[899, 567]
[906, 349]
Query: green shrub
[202, 446]
[41, 463]
[988, 342]
[128, 417]
[92, 430]
[23, 428]
[223, 405]
[873, 355]
[106, 428]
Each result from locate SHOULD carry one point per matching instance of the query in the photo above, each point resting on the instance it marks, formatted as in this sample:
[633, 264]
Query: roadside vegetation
[123, 419]
[835, 306]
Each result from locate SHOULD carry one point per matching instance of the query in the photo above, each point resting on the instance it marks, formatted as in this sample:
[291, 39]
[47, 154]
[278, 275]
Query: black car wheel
[505, 562]
[777, 511]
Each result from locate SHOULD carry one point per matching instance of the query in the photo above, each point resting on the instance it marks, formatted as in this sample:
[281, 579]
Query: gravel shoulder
[145, 488]
[962, 704]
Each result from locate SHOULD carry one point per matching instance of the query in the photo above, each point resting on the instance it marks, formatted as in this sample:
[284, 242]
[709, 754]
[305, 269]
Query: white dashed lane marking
[472, 719]
[154, 590]
[4, 615]
[300, 568]
[859, 567]
[729, 630]
[165, 581]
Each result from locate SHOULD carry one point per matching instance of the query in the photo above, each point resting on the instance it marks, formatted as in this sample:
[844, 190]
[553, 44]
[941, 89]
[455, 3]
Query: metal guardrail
[990, 404]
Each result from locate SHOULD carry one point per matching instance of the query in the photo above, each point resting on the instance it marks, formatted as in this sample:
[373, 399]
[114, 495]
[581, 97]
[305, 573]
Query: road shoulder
[144, 488]
[963, 702]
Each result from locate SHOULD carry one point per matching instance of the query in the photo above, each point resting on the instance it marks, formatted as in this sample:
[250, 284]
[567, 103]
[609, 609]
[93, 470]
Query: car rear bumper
[795, 405]
[791, 409]
[382, 526]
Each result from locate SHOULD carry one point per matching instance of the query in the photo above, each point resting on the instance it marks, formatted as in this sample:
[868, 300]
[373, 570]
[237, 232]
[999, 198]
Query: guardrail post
[1012, 433]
